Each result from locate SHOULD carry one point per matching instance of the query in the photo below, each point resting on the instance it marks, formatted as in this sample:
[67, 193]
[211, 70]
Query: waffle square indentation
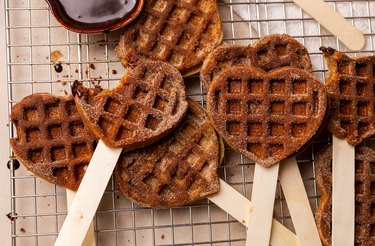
[112, 106]
[234, 85]
[363, 128]
[361, 69]
[187, 130]
[105, 125]
[31, 114]
[159, 49]
[359, 187]
[345, 86]
[160, 103]
[80, 150]
[372, 188]
[299, 86]
[132, 114]
[191, 158]
[257, 149]
[124, 133]
[33, 135]
[277, 86]
[233, 107]
[139, 93]
[58, 153]
[275, 149]
[76, 128]
[254, 129]
[55, 131]
[363, 89]
[160, 5]
[277, 107]
[343, 67]
[52, 110]
[364, 108]
[372, 167]
[277, 130]
[372, 209]
[71, 108]
[281, 49]
[195, 20]
[175, 146]
[176, 59]
[255, 86]
[167, 32]
[178, 15]
[152, 122]
[299, 130]
[346, 107]
[360, 166]
[234, 127]
[299, 108]
[204, 142]
[36, 155]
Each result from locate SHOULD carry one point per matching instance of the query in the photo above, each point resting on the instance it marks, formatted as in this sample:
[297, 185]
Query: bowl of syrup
[93, 16]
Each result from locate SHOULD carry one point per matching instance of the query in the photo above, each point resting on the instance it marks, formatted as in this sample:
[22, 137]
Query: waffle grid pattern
[353, 102]
[59, 150]
[178, 32]
[274, 111]
[146, 103]
[178, 170]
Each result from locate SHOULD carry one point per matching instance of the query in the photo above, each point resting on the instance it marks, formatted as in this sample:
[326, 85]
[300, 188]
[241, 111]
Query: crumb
[87, 72]
[65, 92]
[8, 125]
[231, 174]
[101, 42]
[22, 230]
[48, 204]
[76, 71]
[66, 76]
[162, 236]
[114, 71]
[55, 55]
[92, 66]
[118, 197]
[243, 222]
[64, 83]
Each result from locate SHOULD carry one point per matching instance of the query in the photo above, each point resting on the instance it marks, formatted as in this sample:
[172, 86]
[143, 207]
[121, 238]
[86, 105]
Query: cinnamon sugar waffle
[266, 116]
[146, 105]
[350, 87]
[180, 32]
[178, 170]
[52, 141]
[270, 52]
[364, 197]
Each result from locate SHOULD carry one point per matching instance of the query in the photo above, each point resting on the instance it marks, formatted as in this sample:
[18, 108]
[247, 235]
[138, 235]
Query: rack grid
[38, 208]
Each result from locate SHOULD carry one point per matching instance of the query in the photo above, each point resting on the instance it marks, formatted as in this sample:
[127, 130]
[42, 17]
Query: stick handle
[343, 192]
[88, 196]
[263, 199]
[333, 22]
[90, 235]
[298, 203]
[239, 207]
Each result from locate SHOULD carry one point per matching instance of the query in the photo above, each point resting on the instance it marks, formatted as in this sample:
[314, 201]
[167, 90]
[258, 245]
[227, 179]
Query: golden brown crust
[270, 52]
[350, 88]
[364, 197]
[178, 170]
[266, 116]
[181, 33]
[52, 141]
[147, 104]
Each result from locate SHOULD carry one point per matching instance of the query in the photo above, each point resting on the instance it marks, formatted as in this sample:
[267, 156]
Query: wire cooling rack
[37, 208]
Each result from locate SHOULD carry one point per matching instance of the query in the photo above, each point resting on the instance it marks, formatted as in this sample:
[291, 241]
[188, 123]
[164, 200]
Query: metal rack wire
[39, 208]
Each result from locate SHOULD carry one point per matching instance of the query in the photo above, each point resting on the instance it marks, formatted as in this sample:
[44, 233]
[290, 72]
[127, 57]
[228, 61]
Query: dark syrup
[94, 13]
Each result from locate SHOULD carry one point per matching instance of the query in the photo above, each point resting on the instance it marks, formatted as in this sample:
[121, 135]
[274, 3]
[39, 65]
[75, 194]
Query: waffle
[178, 170]
[350, 87]
[364, 197]
[266, 116]
[52, 141]
[146, 105]
[180, 32]
[270, 52]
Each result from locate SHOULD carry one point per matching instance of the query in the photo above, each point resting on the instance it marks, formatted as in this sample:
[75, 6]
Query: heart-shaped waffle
[179, 32]
[268, 53]
[178, 170]
[266, 116]
[52, 141]
[350, 86]
[147, 104]
[364, 197]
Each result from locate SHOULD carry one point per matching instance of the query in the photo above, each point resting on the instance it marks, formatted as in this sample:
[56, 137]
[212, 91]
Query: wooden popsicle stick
[333, 22]
[343, 192]
[90, 235]
[88, 196]
[298, 203]
[239, 207]
[263, 199]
